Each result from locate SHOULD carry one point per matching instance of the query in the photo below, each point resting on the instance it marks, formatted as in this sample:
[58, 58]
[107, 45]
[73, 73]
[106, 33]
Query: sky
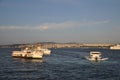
[81, 21]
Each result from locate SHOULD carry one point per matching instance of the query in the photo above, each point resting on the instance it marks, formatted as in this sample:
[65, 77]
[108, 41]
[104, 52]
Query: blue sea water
[62, 64]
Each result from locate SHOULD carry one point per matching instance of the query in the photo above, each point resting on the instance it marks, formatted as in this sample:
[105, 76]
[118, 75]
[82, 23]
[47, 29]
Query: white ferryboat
[44, 50]
[115, 47]
[28, 53]
[95, 56]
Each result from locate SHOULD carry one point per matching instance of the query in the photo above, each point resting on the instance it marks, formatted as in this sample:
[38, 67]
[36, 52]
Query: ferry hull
[113, 48]
[27, 57]
[20, 54]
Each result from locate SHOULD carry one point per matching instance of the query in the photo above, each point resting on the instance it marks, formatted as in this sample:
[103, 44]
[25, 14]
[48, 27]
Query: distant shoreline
[60, 45]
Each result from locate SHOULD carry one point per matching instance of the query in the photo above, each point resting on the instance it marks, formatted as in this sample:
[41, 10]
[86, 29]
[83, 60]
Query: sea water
[62, 64]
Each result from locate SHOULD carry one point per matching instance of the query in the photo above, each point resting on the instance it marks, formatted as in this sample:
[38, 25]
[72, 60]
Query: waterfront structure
[60, 45]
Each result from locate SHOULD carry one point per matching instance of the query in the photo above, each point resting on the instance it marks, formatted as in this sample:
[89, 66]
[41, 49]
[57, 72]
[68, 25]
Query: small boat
[28, 53]
[115, 47]
[95, 56]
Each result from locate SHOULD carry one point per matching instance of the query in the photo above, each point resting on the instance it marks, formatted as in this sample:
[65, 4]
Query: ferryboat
[115, 47]
[95, 56]
[28, 53]
[44, 50]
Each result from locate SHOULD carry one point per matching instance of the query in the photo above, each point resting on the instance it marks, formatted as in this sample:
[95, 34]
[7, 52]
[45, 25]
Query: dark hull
[25, 57]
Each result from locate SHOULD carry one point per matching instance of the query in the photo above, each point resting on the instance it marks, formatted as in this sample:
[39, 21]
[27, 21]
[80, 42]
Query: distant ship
[30, 53]
[95, 56]
[115, 47]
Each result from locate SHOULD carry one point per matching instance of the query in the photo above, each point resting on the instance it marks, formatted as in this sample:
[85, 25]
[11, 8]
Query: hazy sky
[83, 21]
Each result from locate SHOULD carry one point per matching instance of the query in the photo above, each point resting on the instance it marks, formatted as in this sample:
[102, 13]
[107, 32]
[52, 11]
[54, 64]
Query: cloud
[62, 25]
[68, 24]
